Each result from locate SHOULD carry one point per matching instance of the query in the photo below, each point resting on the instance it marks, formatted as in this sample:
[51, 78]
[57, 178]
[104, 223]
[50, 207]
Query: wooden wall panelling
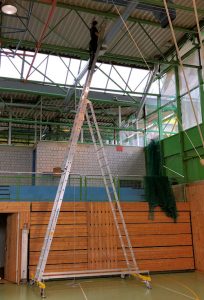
[102, 240]
[69, 246]
[159, 244]
[174, 264]
[160, 241]
[195, 194]
[60, 243]
[66, 206]
[143, 206]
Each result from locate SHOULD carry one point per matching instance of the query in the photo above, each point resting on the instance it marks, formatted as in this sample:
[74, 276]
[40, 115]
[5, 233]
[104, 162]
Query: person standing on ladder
[93, 42]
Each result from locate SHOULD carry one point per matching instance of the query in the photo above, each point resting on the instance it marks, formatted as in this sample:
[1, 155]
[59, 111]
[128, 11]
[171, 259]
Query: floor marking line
[83, 292]
[175, 291]
[187, 287]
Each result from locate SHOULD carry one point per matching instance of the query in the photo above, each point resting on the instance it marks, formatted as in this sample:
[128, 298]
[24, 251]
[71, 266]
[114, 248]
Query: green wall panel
[194, 170]
[188, 159]
[175, 163]
[194, 136]
[171, 145]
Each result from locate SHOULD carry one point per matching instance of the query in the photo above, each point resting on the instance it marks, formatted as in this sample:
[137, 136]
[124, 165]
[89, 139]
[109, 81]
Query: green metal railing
[82, 185]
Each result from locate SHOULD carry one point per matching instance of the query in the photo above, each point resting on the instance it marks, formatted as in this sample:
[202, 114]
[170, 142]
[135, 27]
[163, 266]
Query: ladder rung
[101, 157]
[103, 166]
[100, 149]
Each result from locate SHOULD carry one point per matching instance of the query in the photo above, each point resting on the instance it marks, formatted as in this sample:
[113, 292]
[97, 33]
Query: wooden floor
[179, 286]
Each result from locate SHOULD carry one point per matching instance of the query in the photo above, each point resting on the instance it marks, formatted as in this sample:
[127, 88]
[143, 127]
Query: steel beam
[108, 38]
[173, 5]
[124, 91]
[67, 124]
[119, 22]
[24, 60]
[83, 54]
[111, 15]
[146, 89]
[42, 35]
[10, 128]
[52, 91]
[153, 42]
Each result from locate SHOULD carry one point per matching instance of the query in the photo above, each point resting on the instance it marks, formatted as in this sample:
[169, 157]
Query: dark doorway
[3, 222]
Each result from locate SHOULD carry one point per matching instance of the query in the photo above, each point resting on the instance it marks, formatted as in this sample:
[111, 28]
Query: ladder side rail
[60, 191]
[86, 88]
[114, 189]
[78, 122]
[49, 236]
[79, 119]
[108, 192]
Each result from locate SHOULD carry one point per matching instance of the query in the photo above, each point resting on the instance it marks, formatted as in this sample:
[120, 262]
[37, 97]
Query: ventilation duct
[158, 11]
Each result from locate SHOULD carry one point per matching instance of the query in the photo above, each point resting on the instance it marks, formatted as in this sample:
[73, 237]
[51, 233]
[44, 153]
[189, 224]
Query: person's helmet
[94, 23]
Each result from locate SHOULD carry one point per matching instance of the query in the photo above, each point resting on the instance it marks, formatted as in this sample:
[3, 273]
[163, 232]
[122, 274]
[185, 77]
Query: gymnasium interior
[102, 151]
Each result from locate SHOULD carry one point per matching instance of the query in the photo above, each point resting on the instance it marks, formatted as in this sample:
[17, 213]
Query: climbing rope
[132, 38]
[183, 71]
[199, 35]
[181, 65]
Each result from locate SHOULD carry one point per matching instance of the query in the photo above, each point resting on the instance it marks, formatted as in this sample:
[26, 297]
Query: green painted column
[201, 86]
[180, 129]
[159, 118]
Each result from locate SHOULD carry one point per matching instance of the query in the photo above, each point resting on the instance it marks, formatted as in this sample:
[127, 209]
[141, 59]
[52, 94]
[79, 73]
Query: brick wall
[16, 158]
[130, 161]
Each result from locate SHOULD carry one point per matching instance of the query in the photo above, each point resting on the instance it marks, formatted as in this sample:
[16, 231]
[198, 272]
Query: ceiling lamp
[8, 8]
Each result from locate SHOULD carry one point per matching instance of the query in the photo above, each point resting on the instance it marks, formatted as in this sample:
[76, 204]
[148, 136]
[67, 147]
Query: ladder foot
[148, 284]
[31, 282]
[146, 279]
[42, 286]
[42, 293]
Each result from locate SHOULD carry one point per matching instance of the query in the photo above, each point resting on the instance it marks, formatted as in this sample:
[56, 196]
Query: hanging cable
[132, 38]
[183, 71]
[189, 138]
[199, 35]
[173, 171]
[182, 68]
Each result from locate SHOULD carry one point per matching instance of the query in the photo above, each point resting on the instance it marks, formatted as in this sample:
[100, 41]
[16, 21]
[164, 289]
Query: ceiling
[66, 26]
[62, 28]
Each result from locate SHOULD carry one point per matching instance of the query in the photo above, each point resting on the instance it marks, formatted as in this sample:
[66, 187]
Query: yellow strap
[142, 277]
[41, 285]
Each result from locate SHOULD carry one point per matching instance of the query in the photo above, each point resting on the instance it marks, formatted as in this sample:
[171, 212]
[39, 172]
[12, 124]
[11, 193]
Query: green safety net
[158, 190]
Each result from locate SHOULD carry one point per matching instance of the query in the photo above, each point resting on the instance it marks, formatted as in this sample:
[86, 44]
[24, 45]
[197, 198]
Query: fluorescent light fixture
[8, 8]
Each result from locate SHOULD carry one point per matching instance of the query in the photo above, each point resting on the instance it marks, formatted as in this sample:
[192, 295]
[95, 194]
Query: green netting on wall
[158, 190]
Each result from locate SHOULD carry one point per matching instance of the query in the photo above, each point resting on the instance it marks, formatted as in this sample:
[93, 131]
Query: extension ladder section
[78, 122]
[111, 192]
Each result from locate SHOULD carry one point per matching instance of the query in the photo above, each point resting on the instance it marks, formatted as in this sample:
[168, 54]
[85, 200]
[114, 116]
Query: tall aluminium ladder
[113, 200]
[108, 182]
[111, 192]
[78, 122]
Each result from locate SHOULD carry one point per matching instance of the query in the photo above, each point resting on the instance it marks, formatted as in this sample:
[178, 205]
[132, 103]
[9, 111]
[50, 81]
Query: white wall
[130, 161]
[16, 158]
